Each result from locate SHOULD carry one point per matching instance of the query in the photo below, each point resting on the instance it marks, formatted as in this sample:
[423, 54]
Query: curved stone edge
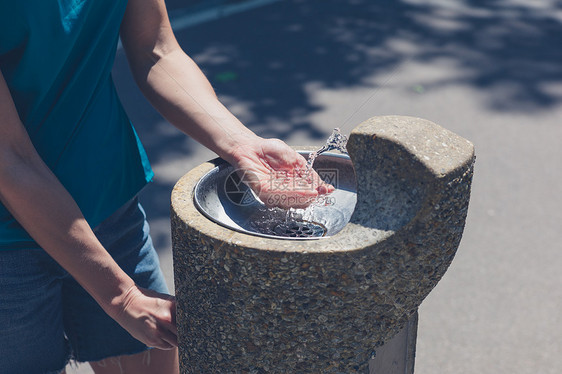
[443, 163]
[414, 150]
[440, 150]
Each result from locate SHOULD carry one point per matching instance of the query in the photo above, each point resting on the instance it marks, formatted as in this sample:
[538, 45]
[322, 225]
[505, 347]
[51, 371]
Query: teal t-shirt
[56, 56]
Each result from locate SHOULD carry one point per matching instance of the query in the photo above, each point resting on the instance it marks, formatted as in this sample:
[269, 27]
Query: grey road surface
[489, 71]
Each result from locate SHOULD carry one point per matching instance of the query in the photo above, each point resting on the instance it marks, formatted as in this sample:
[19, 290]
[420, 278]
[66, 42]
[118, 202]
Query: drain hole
[300, 229]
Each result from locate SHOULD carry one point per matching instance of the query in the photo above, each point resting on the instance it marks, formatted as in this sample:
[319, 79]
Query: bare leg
[154, 361]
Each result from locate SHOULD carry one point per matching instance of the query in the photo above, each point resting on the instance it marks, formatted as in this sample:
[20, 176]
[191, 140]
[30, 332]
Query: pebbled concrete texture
[254, 304]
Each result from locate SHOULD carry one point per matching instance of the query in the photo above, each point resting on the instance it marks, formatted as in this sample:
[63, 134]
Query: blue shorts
[46, 318]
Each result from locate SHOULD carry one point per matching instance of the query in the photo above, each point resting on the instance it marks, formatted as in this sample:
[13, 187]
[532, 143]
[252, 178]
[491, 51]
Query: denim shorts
[46, 318]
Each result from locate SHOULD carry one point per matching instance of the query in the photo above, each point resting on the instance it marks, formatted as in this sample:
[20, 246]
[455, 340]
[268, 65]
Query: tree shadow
[270, 59]
[270, 56]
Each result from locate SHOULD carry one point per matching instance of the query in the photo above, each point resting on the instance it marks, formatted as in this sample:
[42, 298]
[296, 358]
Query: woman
[70, 161]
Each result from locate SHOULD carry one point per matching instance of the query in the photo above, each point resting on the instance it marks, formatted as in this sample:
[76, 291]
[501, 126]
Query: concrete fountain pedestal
[252, 304]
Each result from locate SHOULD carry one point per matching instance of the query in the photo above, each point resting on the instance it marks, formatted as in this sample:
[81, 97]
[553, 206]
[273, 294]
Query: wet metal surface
[222, 197]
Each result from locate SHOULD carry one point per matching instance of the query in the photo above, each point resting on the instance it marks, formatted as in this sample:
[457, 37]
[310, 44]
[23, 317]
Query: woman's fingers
[171, 338]
[165, 339]
[162, 337]
[165, 320]
[169, 327]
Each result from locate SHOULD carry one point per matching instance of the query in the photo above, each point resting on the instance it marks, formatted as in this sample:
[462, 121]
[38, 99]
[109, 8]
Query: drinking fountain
[260, 291]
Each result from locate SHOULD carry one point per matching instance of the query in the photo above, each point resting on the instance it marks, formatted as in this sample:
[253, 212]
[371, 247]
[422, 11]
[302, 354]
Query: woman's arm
[177, 88]
[173, 83]
[40, 203]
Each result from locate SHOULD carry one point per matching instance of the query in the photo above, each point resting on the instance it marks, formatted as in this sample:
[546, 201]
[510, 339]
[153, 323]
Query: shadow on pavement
[270, 59]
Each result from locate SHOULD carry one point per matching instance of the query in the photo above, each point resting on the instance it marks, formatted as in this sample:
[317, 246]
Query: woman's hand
[148, 316]
[277, 173]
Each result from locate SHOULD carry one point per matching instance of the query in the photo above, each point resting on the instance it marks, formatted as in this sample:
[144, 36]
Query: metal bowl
[223, 197]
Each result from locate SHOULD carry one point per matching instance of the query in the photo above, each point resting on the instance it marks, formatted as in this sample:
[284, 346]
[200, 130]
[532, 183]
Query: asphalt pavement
[489, 71]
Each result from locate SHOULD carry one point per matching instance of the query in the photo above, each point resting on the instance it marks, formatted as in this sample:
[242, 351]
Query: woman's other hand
[148, 316]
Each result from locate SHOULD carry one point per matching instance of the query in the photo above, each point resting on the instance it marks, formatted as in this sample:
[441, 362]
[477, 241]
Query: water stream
[297, 222]
[336, 141]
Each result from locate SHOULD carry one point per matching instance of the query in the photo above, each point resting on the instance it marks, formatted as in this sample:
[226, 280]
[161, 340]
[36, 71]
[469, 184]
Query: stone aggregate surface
[488, 71]
[323, 306]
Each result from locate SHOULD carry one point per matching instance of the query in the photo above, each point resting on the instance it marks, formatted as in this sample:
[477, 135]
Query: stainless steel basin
[222, 197]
